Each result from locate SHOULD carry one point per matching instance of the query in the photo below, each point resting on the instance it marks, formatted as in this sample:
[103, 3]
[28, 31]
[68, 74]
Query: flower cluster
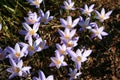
[93, 26]
[34, 43]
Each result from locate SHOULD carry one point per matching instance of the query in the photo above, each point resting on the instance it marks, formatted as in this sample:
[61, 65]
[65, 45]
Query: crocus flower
[98, 32]
[25, 46]
[79, 56]
[68, 23]
[61, 49]
[71, 43]
[29, 32]
[74, 74]
[32, 18]
[42, 76]
[17, 69]
[67, 34]
[87, 10]
[68, 5]
[58, 61]
[32, 46]
[45, 17]
[92, 25]
[84, 23]
[0, 26]
[41, 43]
[102, 16]
[15, 53]
[35, 2]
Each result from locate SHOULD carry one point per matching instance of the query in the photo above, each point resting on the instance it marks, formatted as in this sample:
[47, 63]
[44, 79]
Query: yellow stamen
[32, 21]
[78, 58]
[58, 62]
[102, 17]
[67, 36]
[97, 33]
[86, 12]
[69, 44]
[17, 54]
[62, 51]
[32, 32]
[15, 69]
[69, 25]
[44, 20]
[68, 7]
[31, 48]
[36, 2]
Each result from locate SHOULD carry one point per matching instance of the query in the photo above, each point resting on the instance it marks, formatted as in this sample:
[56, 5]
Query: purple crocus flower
[29, 32]
[22, 44]
[32, 18]
[45, 17]
[33, 46]
[68, 23]
[67, 34]
[79, 56]
[98, 32]
[41, 43]
[68, 5]
[71, 43]
[84, 23]
[74, 74]
[61, 49]
[102, 16]
[35, 2]
[18, 69]
[42, 76]
[15, 53]
[87, 10]
[58, 61]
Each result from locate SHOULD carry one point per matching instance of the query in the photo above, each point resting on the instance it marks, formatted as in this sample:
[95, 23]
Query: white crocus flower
[102, 16]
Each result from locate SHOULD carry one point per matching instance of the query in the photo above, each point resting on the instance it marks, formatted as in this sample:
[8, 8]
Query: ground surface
[102, 64]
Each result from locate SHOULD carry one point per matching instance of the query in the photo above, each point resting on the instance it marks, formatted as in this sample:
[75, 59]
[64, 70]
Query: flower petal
[42, 75]
[20, 64]
[75, 22]
[99, 36]
[12, 62]
[47, 14]
[104, 34]
[63, 22]
[108, 13]
[87, 53]
[12, 75]
[101, 29]
[36, 27]
[103, 11]
[86, 7]
[26, 26]
[17, 48]
[50, 77]
[69, 20]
